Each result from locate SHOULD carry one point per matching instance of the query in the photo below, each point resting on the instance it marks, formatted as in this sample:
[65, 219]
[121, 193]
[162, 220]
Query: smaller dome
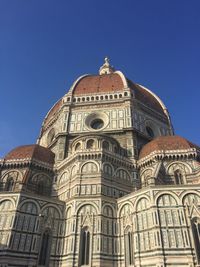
[36, 152]
[166, 143]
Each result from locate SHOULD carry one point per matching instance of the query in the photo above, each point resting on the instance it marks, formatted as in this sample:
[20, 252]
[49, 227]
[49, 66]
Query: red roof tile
[99, 84]
[166, 143]
[31, 151]
[145, 97]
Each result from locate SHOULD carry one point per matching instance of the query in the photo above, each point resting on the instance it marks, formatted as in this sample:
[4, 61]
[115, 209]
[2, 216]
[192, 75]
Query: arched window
[45, 248]
[107, 169]
[50, 136]
[78, 146]
[128, 248]
[196, 235]
[178, 177]
[105, 145]
[85, 247]
[90, 144]
[9, 184]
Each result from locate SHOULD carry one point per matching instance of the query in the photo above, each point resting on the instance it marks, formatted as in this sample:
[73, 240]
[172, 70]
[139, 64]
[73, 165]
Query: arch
[138, 200]
[68, 212]
[145, 174]
[185, 194]
[142, 203]
[126, 208]
[90, 144]
[177, 165]
[122, 173]
[108, 210]
[51, 210]
[166, 193]
[40, 183]
[89, 167]
[88, 207]
[166, 199]
[74, 170]
[32, 201]
[108, 168]
[15, 174]
[77, 147]
[29, 207]
[9, 184]
[63, 177]
[191, 198]
[39, 176]
[7, 205]
[105, 145]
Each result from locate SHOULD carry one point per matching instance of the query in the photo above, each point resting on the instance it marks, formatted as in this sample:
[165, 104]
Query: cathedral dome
[36, 152]
[108, 81]
[166, 143]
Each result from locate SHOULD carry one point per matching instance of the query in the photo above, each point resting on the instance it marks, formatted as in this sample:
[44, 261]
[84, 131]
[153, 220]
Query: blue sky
[46, 44]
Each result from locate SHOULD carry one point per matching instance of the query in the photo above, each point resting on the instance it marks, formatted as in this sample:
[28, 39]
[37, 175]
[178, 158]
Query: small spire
[106, 68]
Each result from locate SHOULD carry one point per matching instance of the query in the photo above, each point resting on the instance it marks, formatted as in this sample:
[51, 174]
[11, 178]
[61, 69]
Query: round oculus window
[97, 124]
[150, 131]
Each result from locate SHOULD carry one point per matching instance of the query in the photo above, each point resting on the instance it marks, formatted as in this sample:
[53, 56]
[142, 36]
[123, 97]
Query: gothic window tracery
[40, 184]
[9, 181]
[122, 174]
[108, 169]
[63, 178]
[169, 218]
[89, 168]
[6, 220]
[144, 222]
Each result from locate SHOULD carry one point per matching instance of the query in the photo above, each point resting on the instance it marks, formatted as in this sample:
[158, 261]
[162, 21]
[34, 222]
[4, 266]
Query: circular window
[97, 124]
[150, 131]
[96, 121]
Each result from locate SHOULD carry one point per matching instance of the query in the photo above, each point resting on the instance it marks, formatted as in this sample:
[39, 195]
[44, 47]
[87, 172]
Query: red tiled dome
[31, 152]
[145, 97]
[53, 110]
[166, 143]
[109, 83]
[99, 84]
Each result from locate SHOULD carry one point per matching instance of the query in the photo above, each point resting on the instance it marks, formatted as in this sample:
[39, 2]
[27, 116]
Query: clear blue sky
[46, 44]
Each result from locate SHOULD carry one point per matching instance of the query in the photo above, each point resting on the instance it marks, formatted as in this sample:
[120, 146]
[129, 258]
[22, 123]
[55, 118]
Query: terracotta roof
[99, 84]
[53, 110]
[110, 83]
[166, 143]
[31, 151]
[145, 97]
